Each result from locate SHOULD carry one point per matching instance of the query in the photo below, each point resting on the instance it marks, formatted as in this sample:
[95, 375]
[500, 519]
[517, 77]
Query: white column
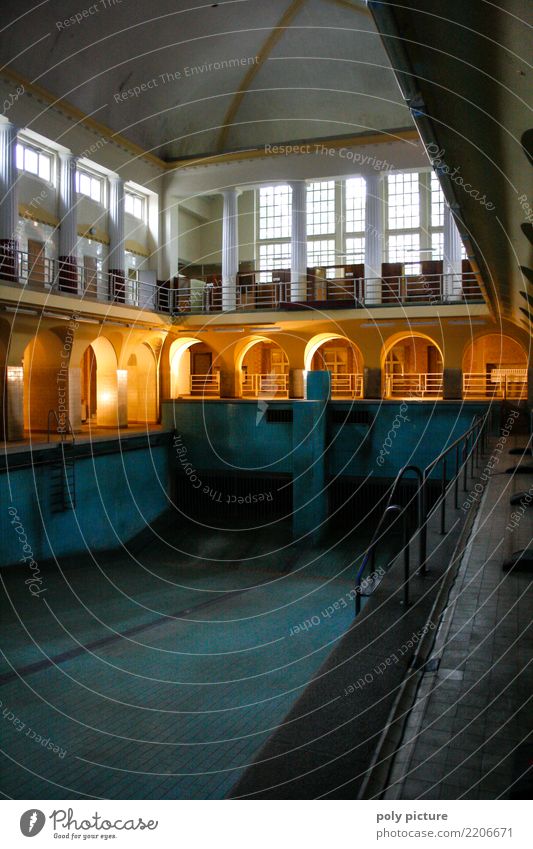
[299, 241]
[8, 200]
[116, 260]
[68, 222]
[116, 225]
[68, 218]
[230, 249]
[374, 238]
[453, 278]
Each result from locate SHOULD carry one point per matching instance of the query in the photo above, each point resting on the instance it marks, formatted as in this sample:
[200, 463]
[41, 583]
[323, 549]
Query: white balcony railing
[334, 286]
[40, 272]
[346, 385]
[498, 383]
[416, 385]
[265, 386]
[205, 385]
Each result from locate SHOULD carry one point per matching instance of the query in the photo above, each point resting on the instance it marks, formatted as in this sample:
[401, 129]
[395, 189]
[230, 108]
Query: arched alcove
[263, 367]
[142, 385]
[412, 365]
[495, 366]
[103, 386]
[342, 358]
[193, 372]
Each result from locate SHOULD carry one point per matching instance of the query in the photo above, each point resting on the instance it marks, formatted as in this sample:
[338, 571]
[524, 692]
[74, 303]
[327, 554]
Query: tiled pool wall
[117, 491]
[377, 438]
[312, 442]
[123, 485]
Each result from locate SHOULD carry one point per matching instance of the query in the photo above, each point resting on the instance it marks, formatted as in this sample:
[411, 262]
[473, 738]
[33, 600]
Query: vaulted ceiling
[216, 76]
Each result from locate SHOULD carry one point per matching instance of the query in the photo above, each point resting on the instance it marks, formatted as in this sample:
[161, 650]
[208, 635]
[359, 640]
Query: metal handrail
[478, 427]
[67, 427]
[461, 446]
[370, 552]
[69, 278]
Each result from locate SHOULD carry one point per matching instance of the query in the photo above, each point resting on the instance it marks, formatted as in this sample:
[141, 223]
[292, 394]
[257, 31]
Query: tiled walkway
[86, 435]
[470, 733]
[161, 676]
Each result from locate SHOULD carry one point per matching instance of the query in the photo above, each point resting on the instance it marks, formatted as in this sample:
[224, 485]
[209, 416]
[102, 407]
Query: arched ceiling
[217, 77]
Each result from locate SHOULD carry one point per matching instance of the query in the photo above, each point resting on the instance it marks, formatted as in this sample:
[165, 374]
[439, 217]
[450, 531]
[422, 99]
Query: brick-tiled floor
[470, 733]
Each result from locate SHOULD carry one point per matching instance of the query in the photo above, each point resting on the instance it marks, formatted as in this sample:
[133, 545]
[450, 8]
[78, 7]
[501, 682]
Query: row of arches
[110, 378]
[88, 389]
[412, 366]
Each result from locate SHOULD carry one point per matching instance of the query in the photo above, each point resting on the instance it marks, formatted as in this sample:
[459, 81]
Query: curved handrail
[370, 551]
[478, 426]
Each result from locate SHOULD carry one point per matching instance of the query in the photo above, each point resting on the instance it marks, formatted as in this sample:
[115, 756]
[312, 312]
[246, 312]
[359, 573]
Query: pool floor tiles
[201, 664]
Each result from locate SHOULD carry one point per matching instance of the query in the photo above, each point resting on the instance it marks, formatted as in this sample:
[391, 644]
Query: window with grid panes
[355, 250]
[405, 248]
[321, 252]
[134, 205]
[321, 208]
[355, 200]
[90, 185]
[403, 221]
[355, 220]
[437, 245]
[275, 255]
[437, 203]
[275, 211]
[320, 223]
[34, 161]
[437, 221]
[403, 202]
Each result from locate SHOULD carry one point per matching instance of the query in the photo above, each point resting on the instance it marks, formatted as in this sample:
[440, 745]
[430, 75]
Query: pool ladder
[63, 468]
